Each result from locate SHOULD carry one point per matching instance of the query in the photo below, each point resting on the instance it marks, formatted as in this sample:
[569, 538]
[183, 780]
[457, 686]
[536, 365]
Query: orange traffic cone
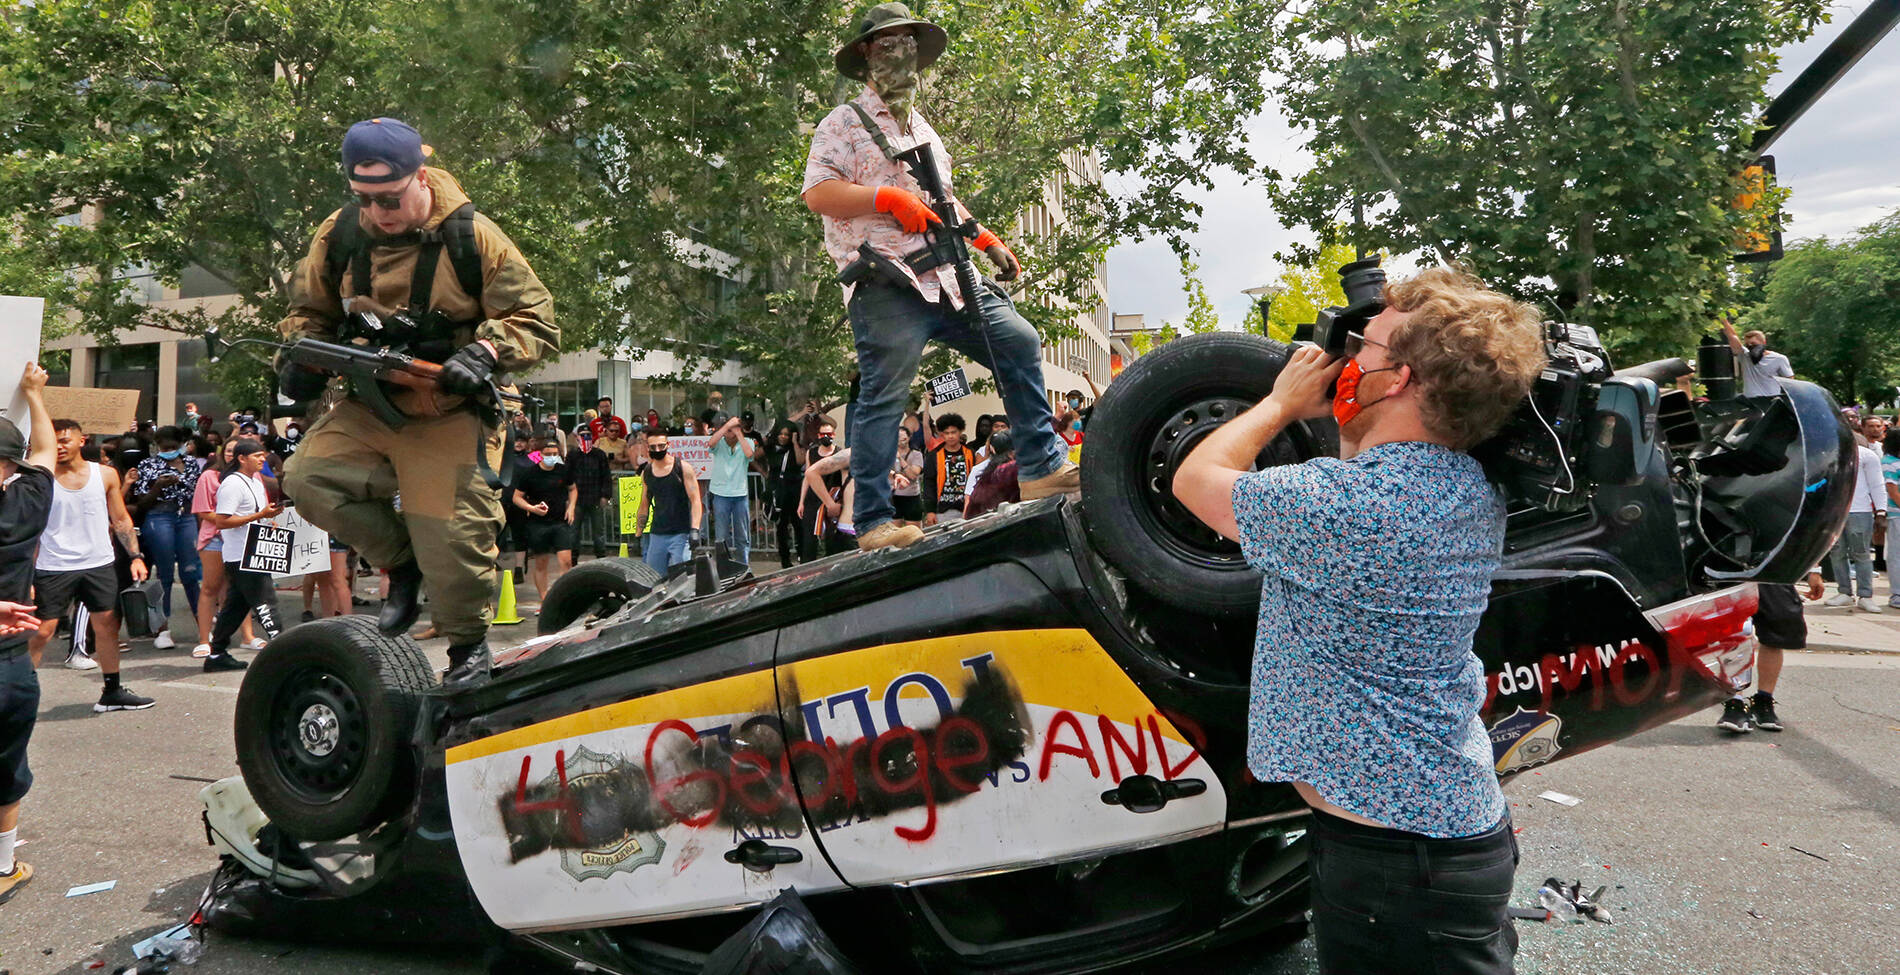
[505, 614]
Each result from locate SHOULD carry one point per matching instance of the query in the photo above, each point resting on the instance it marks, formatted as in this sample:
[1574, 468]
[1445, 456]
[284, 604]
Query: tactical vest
[348, 250]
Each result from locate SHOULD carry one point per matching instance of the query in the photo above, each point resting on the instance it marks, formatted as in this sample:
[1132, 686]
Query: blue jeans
[890, 326]
[170, 540]
[1856, 544]
[666, 551]
[732, 524]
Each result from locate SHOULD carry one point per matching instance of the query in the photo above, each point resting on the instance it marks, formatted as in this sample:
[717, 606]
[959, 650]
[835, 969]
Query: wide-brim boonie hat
[931, 39]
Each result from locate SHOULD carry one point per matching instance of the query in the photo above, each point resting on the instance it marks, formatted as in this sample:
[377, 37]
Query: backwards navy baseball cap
[382, 140]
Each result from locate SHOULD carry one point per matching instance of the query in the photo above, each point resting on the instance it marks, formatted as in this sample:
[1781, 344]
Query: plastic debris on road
[1567, 902]
[1559, 798]
[84, 889]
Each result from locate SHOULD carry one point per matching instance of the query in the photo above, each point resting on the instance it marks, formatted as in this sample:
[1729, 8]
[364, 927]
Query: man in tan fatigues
[353, 469]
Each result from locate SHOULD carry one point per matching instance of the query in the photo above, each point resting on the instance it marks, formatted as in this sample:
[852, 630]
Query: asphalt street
[1699, 836]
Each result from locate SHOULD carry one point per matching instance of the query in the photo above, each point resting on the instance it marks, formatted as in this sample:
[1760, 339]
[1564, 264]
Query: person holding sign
[242, 499]
[870, 200]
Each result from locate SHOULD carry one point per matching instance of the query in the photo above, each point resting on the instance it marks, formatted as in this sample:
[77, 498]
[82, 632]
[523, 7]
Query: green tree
[1834, 307]
[646, 156]
[1200, 319]
[1308, 287]
[1582, 151]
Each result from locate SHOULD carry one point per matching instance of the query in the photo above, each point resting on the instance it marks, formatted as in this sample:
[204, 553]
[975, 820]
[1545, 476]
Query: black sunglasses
[386, 201]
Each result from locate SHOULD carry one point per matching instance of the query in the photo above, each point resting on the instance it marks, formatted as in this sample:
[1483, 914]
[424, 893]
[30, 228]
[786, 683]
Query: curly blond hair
[1474, 351]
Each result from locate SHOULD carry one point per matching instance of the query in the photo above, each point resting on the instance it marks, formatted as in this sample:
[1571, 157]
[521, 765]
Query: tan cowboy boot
[1066, 480]
[890, 535]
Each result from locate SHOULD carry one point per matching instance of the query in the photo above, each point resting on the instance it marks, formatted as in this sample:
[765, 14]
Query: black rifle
[368, 367]
[951, 241]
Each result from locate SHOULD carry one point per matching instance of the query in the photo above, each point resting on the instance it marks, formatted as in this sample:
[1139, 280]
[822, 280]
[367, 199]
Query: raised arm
[41, 450]
[1734, 340]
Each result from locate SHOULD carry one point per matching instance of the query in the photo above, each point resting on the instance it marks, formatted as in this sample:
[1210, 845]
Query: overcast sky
[1838, 162]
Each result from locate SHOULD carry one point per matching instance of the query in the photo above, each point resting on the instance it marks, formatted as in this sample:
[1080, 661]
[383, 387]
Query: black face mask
[656, 452]
[1755, 352]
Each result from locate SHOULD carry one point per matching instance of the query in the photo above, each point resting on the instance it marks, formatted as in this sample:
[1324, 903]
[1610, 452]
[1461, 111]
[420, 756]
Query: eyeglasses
[386, 201]
[1356, 343]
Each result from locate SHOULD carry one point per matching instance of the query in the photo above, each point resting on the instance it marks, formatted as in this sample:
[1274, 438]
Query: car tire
[324, 721]
[599, 588]
[1144, 425]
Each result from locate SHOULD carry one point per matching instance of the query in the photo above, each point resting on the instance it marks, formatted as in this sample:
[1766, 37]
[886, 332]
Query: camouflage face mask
[893, 73]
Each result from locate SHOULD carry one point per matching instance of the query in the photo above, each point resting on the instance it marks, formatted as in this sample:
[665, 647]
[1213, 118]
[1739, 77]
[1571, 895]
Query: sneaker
[120, 699]
[1762, 711]
[308, 616]
[1840, 599]
[1867, 605]
[1734, 717]
[10, 883]
[201, 651]
[163, 641]
[890, 535]
[81, 661]
[1066, 480]
[223, 661]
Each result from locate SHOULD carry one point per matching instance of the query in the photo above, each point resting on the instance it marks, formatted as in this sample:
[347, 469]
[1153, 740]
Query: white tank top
[78, 530]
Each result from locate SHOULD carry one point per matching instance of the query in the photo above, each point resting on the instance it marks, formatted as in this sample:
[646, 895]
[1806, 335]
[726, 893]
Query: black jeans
[247, 591]
[1389, 901]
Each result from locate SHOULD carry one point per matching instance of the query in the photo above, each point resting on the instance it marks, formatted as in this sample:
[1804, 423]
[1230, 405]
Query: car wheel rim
[1168, 443]
[320, 736]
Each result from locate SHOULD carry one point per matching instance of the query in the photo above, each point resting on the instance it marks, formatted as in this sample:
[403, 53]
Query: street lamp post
[1264, 295]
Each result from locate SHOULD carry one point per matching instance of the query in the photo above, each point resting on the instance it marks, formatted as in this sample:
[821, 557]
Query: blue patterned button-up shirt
[1364, 684]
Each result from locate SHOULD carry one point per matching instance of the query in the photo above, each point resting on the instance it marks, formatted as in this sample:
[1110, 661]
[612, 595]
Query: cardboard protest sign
[696, 451]
[287, 545]
[20, 323]
[951, 385]
[100, 412]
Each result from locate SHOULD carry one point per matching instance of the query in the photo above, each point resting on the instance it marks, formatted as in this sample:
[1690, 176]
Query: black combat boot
[468, 665]
[402, 601]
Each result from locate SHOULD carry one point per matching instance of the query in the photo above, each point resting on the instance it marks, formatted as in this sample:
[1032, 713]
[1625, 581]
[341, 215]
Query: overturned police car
[1017, 746]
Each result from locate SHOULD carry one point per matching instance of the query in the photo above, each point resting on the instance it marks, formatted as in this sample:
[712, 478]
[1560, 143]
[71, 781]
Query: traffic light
[1760, 237]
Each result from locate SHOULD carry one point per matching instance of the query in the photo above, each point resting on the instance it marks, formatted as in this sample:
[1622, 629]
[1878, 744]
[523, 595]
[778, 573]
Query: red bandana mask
[1346, 403]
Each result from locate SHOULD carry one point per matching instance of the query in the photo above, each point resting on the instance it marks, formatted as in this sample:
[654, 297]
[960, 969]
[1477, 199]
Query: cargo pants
[351, 466]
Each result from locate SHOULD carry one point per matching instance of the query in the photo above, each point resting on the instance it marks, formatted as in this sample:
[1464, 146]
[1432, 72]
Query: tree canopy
[647, 156]
[1583, 152]
[1834, 308]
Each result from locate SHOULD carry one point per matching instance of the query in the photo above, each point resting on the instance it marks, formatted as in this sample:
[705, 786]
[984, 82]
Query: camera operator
[1365, 692]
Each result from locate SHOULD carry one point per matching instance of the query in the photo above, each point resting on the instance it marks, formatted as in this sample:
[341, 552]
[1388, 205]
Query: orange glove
[1006, 264]
[912, 213]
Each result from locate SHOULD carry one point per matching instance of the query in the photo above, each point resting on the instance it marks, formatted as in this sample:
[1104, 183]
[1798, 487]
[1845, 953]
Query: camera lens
[1362, 281]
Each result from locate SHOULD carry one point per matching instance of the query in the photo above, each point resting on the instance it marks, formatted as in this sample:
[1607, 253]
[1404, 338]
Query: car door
[635, 796]
[985, 730]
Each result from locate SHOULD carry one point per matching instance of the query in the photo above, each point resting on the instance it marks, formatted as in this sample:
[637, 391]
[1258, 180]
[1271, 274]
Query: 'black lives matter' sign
[951, 385]
[268, 549]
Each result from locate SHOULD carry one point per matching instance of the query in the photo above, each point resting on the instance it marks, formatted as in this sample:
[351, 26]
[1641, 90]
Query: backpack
[349, 247]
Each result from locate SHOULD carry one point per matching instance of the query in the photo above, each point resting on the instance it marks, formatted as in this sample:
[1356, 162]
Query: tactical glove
[912, 214]
[298, 384]
[1007, 267]
[467, 371]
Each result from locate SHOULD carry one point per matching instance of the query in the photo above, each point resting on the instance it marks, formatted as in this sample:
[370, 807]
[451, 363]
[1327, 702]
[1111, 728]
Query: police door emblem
[632, 850]
[1524, 739]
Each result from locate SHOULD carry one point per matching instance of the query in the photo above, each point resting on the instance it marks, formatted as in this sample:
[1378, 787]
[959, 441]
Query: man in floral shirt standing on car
[869, 201]
[1365, 692]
